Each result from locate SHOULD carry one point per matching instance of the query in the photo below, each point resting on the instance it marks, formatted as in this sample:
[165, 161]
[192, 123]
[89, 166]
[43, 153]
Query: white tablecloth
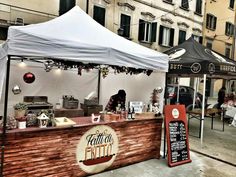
[230, 112]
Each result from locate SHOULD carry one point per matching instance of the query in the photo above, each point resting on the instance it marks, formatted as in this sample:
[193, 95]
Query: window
[125, 25]
[147, 31]
[209, 44]
[66, 5]
[166, 36]
[184, 4]
[229, 29]
[182, 36]
[227, 51]
[99, 15]
[231, 4]
[3, 33]
[197, 38]
[199, 7]
[211, 22]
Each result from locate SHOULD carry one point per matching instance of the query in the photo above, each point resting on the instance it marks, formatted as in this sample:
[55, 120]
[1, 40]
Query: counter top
[80, 122]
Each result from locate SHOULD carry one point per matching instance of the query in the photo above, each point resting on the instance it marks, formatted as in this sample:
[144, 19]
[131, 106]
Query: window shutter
[66, 5]
[199, 6]
[200, 39]
[182, 36]
[141, 30]
[226, 24]
[99, 15]
[207, 20]
[231, 4]
[215, 19]
[125, 24]
[232, 29]
[172, 33]
[184, 4]
[160, 35]
[154, 32]
[3, 33]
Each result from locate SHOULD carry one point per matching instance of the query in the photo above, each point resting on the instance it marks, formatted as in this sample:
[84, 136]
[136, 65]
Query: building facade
[155, 24]
[23, 12]
[218, 35]
[218, 28]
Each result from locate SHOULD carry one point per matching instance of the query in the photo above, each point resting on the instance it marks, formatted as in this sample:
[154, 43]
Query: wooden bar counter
[53, 151]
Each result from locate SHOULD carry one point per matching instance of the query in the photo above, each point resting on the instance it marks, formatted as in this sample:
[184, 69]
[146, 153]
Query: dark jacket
[114, 101]
[221, 96]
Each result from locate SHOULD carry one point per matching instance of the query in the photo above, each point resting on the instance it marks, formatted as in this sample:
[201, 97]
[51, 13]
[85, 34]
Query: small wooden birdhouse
[43, 120]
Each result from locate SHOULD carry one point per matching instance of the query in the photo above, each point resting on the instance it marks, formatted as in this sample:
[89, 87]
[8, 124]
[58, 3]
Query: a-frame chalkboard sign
[177, 135]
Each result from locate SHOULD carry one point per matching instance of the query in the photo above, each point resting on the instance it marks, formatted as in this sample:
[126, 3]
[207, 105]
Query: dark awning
[191, 58]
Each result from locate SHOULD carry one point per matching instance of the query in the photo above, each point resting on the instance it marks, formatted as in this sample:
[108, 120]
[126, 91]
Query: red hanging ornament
[29, 77]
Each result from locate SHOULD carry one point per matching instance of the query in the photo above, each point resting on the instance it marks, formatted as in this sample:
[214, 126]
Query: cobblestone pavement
[201, 166]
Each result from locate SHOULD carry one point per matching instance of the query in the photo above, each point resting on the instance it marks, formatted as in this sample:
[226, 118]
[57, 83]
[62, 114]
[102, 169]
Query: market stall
[191, 59]
[86, 145]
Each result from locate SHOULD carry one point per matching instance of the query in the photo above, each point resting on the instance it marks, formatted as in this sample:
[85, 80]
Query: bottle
[129, 114]
[150, 107]
[133, 114]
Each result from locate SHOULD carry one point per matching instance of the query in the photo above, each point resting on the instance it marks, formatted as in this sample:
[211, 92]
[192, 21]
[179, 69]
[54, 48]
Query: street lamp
[120, 31]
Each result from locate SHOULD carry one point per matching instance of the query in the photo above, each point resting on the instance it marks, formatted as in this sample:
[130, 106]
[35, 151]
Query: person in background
[221, 97]
[116, 100]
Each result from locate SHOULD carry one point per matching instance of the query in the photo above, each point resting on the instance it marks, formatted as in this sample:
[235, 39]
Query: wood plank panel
[53, 152]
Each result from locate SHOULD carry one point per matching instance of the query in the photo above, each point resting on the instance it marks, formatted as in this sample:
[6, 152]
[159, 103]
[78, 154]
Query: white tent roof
[76, 36]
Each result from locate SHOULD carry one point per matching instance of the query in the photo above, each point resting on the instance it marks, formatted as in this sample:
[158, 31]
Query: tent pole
[166, 96]
[203, 108]
[195, 91]
[99, 83]
[5, 113]
[178, 91]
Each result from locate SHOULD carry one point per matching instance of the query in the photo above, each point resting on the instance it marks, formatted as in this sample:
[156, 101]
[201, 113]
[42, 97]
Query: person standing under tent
[116, 100]
[221, 97]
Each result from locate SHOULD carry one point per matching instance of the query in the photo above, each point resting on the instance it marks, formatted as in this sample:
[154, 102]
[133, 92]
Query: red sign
[177, 135]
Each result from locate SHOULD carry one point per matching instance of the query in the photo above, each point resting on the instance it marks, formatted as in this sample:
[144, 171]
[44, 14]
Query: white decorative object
[21, 124]
[63, 121]
[43, 120]
[95, 119]
[58, 106]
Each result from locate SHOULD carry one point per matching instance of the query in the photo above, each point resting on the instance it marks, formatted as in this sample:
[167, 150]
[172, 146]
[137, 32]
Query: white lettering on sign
[97, 149]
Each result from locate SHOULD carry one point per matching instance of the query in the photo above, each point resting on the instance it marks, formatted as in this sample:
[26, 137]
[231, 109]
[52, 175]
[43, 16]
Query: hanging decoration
[103, 68]
[104, 72]
[16, 90]
[29, 77]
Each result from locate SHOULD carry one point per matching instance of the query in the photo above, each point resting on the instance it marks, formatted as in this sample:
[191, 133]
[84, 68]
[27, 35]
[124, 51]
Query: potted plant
[20, 110]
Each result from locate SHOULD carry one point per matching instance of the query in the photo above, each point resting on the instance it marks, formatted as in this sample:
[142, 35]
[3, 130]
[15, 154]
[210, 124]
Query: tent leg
[203, 108]
[178, 92]
[99, 84]
[166, 95]
[195, 91]
[5, 114]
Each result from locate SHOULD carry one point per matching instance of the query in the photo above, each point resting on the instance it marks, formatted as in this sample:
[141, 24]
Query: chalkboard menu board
[178, 143]
[177, 135]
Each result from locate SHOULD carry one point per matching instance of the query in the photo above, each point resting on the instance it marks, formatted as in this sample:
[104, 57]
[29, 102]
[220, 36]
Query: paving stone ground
[216, 145]
[201, 166]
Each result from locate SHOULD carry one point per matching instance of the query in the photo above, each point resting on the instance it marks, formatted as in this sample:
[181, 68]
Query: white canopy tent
[76, 36]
